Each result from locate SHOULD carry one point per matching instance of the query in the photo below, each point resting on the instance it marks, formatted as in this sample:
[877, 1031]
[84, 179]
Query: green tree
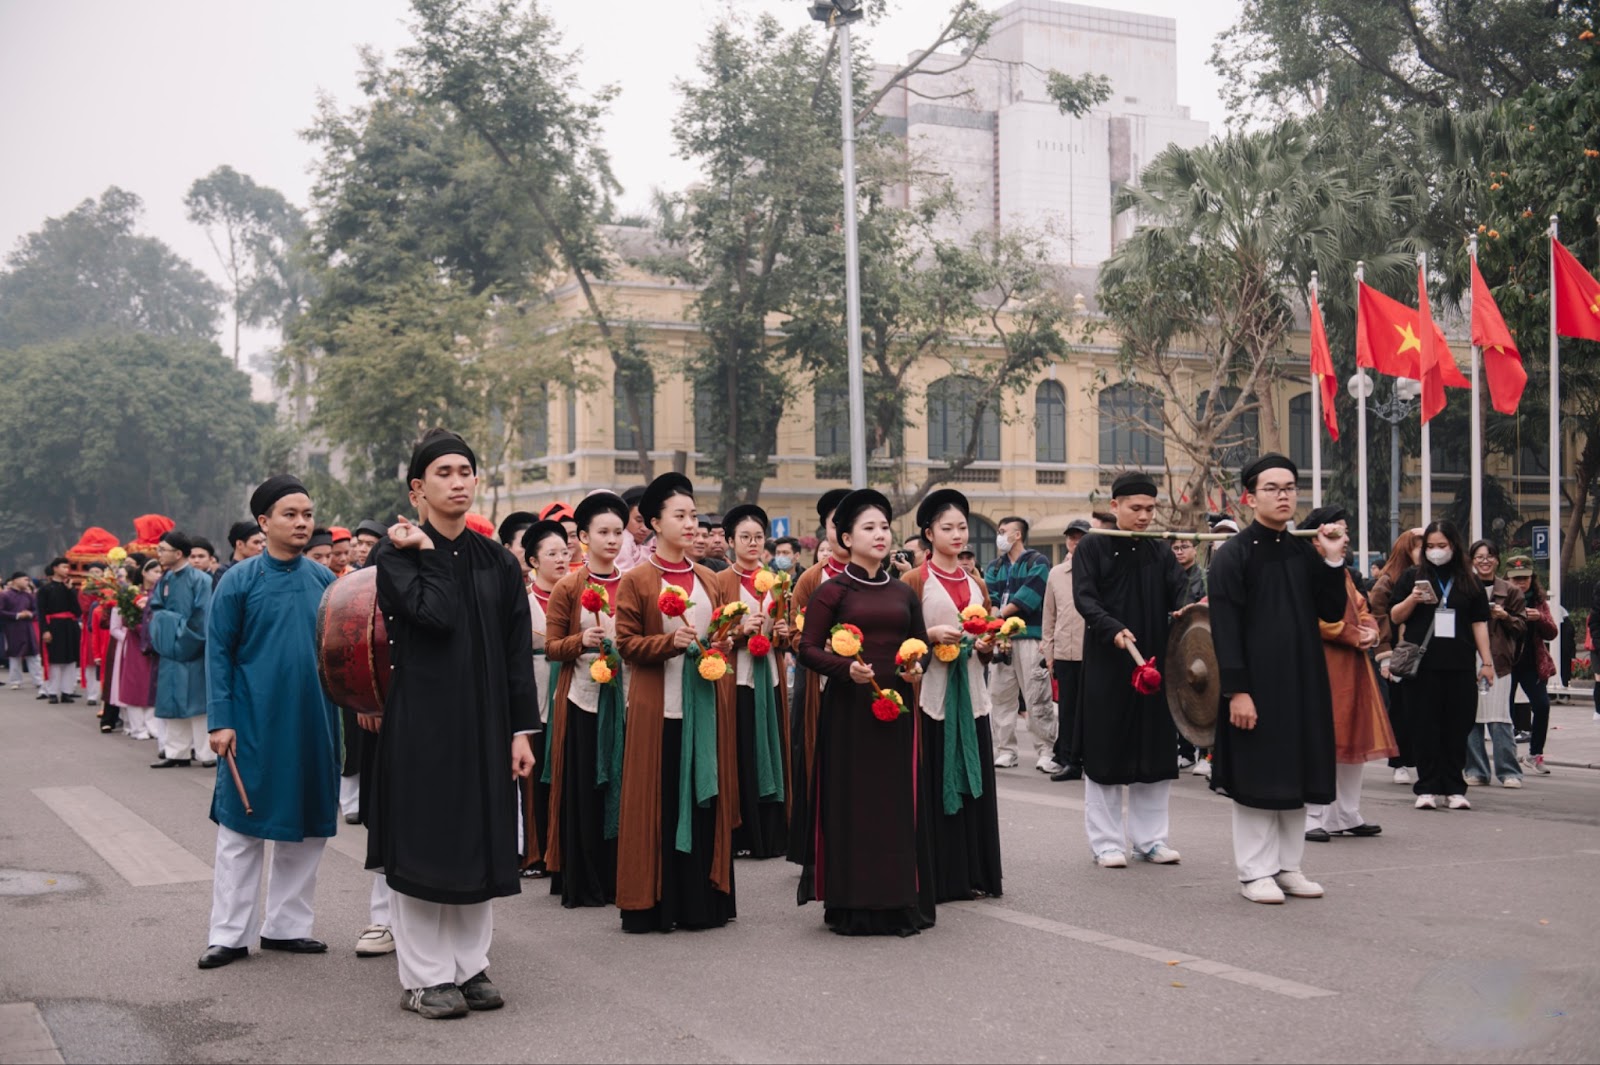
[253, 230]
[158, 424]
[90, 272]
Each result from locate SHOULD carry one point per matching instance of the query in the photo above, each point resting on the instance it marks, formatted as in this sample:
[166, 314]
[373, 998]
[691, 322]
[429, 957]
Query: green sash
[549, 729]
[769, 741]
[962, 776]
[697, 765]
[608, 748]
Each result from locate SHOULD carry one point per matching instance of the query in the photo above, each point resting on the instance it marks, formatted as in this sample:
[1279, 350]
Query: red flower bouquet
[594, 598]
[760, 646]
[674, 601]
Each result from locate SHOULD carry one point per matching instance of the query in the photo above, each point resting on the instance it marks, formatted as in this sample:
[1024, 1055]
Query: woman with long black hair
[1507, 627]
[869, 853]
[1446, 609]
[1534, 667]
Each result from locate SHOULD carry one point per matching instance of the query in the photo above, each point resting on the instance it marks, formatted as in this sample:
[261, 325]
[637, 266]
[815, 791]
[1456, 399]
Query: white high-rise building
[1014, 158]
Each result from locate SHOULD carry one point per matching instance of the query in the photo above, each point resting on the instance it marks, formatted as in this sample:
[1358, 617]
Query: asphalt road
[1453, 936]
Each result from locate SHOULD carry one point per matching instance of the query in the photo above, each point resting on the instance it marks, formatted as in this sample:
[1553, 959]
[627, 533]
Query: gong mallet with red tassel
[1146, 678]
[238, 782]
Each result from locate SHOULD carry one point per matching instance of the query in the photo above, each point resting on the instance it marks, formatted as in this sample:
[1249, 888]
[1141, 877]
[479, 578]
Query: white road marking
[1187, 962]
[140, 852]
[24, 1036]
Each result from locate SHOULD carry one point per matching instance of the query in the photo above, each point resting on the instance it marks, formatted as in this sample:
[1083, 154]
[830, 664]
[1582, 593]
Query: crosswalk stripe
[140, 852]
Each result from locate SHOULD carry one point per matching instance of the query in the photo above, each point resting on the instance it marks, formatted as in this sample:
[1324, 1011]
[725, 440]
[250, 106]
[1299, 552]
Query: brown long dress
[1361, 731]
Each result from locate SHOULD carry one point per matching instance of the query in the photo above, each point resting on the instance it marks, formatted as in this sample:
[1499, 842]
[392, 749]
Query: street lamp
[1400, 405]
[839, 15]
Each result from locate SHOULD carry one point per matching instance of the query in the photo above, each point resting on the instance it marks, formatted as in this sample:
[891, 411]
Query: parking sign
[1541, 541]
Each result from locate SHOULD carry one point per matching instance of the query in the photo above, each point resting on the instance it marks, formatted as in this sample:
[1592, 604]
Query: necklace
[882, 578]
[667, 567]
[949, 578]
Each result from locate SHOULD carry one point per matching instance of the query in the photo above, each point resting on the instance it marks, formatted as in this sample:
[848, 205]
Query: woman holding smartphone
[1448, 609]
[1508, 624]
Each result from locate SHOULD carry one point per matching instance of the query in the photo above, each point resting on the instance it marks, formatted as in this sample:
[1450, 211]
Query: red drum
[353, 644]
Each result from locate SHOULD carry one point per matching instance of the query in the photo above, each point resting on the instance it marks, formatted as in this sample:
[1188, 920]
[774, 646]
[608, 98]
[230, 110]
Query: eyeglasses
[1282, 491]
[750, 538]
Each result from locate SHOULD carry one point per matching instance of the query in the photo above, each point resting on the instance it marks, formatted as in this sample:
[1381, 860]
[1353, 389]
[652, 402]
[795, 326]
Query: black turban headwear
[1133, 483]
[1254, 470]
[372, 528]
[853, 504]
[660, 490]
[514, 523]
[434, 445]
[319, 538]
[743, 513]
[1331, 514]
[594, 504]
[936, 504]
[176, 540]
[535, 535]
[272, 490]
[830, 501]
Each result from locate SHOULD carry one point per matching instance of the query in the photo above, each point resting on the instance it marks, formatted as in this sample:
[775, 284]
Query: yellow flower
[764, 581]
[1013, 626]
[845, 642]
[600, 673]
[713, 666]
[800, 621]
[117, 554]
[947, 652]
[913, 649]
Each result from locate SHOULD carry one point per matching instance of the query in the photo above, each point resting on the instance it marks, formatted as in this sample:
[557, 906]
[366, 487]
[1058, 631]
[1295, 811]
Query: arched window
[831, 421]
[1130, 427]
[640, 382]
[1050, 422]
[1300, 430]
[980, 537]
[951, 402]
[1241, 440]
[535, 432]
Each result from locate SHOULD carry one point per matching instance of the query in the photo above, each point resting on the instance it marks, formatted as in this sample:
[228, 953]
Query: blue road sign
[780, 528]
[1541, 541]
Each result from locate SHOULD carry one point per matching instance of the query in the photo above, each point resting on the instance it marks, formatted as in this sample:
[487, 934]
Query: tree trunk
[1271, 435]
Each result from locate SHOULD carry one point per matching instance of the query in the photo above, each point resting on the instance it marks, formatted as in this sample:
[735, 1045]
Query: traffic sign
[1541, 541]
[780, 528]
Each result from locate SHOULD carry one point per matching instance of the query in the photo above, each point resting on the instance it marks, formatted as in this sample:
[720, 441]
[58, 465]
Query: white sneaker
[1402, 776]
[1202, 768]
[1295, 883]
[1184, 762]
[1511, 782]
[1265, 891]
[1425, 802]
[1112, 860]
[376, 940]
[1047, 764]
[1539, 766]
[1458, 802]
[1475, 782]
[1161, 854]
[1005, 760]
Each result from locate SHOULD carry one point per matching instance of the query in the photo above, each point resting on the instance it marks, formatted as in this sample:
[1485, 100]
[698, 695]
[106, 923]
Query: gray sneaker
[435, 1003]
[481, 994]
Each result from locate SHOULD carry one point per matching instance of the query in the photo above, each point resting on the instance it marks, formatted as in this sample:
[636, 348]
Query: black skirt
[588, 874]
[799, 771]
[966, 844]
[764, 832]
[688, 899]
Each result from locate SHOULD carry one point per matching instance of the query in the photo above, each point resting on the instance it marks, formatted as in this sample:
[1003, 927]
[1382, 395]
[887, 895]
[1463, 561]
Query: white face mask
[781, 562]
[1438, 555]
[1002, 543]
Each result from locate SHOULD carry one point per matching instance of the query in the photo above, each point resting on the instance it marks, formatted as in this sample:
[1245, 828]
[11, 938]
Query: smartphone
[1425, 592]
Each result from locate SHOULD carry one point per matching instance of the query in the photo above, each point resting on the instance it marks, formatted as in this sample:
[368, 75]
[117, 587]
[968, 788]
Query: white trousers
[1267, 842]
[236, 888]
[1025, 673]
[1345, 810]
[91, 687]
[138, 719]
[350, 795]
[14, 673]
[187, 737]
[63, 679]
[381, 905]
[437, 943]
[1146, 822]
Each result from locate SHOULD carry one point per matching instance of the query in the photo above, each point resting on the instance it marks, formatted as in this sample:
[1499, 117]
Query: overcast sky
[151, 95]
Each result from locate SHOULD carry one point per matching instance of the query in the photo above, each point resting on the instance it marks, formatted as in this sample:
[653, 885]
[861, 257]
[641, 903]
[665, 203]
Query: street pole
[1394, 482]
[1477, 426]
[1361, 442]
[1427, 443]
[852, 268]
[1316, 415]
[1555, 431]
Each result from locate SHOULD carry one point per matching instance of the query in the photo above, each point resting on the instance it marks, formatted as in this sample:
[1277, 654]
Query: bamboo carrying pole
[1170, 535]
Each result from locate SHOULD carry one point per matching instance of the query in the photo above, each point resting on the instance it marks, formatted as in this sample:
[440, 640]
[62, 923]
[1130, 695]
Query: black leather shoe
[1318, 835]
[295, 946]
[69, 698]
[216, 957]
[1071, 772]
[171, 763]
[54, 699]
[1364, 830]
[481, 994]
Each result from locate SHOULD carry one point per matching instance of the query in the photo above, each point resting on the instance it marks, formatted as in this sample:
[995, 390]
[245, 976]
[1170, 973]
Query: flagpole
[1361, 440]
[1555, 431]
[1422, 408]
[1316, 416]
[1477, 419]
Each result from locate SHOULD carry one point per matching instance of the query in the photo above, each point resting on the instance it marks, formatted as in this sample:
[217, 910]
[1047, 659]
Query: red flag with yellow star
[1502, 362]
[1577, 296]
[1434, 352]
[1388, 339]
[1322, 370]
